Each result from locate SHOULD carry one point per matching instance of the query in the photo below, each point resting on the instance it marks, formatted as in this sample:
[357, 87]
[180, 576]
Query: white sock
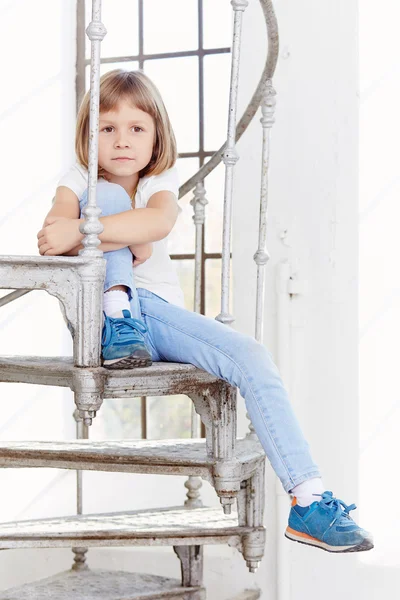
[304, 491]
[115, 301]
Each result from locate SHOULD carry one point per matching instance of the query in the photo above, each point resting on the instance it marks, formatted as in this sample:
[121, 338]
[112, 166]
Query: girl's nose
[122, 144]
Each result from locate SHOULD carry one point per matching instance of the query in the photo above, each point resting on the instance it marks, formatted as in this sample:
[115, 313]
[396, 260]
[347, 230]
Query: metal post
[261, 257]
[199, 202]
[230, 158]
[91, 226]
[82, 432]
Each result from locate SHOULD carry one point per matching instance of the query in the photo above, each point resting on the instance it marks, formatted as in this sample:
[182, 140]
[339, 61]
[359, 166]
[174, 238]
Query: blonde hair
[140, 91]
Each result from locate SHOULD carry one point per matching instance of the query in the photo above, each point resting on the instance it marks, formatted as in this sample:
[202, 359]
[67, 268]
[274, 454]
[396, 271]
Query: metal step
[175, 526]
[161, 378]
[103, 585]
[168, 457]
[214, 400]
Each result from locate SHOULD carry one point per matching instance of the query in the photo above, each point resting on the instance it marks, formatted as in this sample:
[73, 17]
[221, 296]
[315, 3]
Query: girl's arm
[127, 228]
[66, 205]
[103, 247]
[141, 252]
[142, 225]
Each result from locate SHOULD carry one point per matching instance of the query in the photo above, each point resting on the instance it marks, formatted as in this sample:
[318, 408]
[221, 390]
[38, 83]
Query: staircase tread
[100, 584]
[145, 521]
[176, 522]
[124, 452]
[158, 379]
[66, 363]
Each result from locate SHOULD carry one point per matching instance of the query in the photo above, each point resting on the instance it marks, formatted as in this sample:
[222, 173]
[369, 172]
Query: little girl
[144, 315]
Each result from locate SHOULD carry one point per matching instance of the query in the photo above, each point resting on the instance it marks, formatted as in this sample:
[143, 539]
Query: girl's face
[126, 140]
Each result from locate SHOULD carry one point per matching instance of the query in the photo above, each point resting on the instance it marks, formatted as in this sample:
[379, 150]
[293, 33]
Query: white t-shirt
[157, 274]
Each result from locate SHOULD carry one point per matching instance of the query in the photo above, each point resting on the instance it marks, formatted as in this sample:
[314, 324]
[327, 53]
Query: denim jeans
[113, 199]
[175, 334]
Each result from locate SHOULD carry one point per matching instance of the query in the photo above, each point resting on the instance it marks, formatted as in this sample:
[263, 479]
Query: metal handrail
[254, 104]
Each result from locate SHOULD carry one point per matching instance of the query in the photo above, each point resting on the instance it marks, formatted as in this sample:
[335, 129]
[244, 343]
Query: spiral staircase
[234, 467]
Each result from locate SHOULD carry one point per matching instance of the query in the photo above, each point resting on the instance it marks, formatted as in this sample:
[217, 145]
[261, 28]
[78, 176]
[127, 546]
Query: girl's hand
[59, 235]
[141, 253]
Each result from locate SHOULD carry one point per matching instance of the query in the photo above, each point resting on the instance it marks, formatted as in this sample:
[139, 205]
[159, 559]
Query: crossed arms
[136, 228]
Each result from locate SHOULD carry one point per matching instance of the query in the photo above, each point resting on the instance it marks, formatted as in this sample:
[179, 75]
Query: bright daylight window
[184, 46]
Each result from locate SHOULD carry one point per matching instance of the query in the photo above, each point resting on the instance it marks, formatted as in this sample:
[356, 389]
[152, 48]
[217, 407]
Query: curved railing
[264, 96]
[255, 102]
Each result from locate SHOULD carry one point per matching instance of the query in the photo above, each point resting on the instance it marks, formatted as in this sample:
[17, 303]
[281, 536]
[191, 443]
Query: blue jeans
[113, 199]
[179, 335]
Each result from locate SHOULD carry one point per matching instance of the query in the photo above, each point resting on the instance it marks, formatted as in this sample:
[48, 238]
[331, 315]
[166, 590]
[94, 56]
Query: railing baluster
[82, 433]
[91, 226]
[143, 416]
[261, 257]
[199, 202]
[230, 158]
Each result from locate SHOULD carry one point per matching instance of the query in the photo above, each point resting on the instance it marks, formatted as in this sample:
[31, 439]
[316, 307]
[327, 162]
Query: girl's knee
[254, 353]
[110, 197]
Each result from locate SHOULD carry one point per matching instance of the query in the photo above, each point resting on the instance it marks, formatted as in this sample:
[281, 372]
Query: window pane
[169, 417]
[214, 185]
[216, 99]
[170, 26]
[185, 269]
[177, 80]
[105, 67]
[121, 21]
[217, 24]
[118, 418]
[213, 287]
[182, 238]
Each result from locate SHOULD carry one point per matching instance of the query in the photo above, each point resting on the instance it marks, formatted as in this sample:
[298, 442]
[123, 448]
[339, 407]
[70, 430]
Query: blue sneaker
[123, 345]
[326, 525]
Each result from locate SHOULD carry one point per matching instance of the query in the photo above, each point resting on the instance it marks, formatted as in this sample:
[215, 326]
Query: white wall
[313, 223]
[379, 281]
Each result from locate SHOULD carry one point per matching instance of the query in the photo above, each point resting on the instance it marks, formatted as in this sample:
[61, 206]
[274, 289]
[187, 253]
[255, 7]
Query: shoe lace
[334, 505]
[120, 328]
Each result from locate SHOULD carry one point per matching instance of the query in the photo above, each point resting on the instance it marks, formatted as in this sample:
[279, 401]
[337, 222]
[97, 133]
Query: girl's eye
[109, 128]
